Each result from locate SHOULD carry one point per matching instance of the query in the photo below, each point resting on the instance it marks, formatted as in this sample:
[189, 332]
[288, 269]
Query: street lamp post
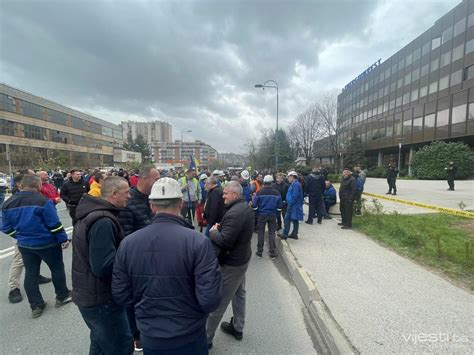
[400, 140]
[183, 131]
[275, 86]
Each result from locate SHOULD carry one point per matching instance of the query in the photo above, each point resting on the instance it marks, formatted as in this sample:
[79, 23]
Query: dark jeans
[53, 257]
[315, 208]
[346, 212]
[358, 203]
[72, 213]
[451, 182]
[327, 206]
[188, 211]
[262, 222]
[109, 330]
[197, 347]
[392, 186]
[132, 322]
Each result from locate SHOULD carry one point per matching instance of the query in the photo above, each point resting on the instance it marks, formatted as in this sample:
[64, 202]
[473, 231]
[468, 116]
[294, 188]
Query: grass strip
[441, 241]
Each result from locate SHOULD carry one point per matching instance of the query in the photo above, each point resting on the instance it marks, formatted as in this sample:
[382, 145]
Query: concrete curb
[333, 336]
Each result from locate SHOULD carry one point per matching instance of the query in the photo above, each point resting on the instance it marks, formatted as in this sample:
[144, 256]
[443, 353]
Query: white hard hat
[221, 173]
[165, 189]
[292, 173]
[245, 174]
[268, 179]
[3, 182]
[203, 176]
[216, 172]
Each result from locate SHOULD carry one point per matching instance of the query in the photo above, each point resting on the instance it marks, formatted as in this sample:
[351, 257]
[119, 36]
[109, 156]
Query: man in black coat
[137, 215]
[347, 195]
[96, 238]
[72, 191]
[214, 208]
[314, 187]
[232, 238]
[451, 172]
[392, 173]
[282, 187]
[169, 274]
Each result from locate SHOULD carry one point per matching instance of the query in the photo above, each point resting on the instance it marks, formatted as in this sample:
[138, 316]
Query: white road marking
[4, 253]
[7, 250]
[7, 255]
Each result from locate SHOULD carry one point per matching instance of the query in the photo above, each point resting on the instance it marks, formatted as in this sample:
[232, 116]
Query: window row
[8, 103]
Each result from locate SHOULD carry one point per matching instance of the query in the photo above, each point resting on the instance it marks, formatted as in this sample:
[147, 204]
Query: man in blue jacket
[169, 274]
[329, 197]
[294, 211]
[33, 221]
[267, 204]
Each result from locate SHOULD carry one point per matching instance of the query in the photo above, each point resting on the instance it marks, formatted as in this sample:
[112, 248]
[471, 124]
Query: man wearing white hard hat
[266, 204]
[244, 182]
[217, 174]
[169, 273]
[294, 210]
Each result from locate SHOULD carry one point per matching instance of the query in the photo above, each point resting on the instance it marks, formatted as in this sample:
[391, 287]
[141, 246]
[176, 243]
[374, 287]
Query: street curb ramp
[332, 336]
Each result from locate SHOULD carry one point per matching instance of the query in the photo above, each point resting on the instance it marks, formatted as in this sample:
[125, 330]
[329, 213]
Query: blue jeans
[110, 333]
[286, 229]
[197, 347]
[53, 257]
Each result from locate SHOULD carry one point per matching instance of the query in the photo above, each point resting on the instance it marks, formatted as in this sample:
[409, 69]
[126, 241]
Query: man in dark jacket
[267, 204]
[137, 214]
[169, 274]
[282, 187]
[96, 238]
[314, 187]
[347, 194]
[392, 173]
[232, 239]
[214, 208]
[72, 191]
[329, 198]
[451, 170]
[32, 220]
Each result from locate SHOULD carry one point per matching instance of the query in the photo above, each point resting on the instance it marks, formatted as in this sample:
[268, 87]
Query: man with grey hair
[232, 238]
[168, 273]
[96, 238]
[33, 221]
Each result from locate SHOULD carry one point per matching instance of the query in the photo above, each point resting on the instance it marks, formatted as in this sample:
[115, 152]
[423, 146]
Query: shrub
[429, 162]
[377, 172]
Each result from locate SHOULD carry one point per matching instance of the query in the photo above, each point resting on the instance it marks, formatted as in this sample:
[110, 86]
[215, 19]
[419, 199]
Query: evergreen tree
[355, 153]
[140, 145]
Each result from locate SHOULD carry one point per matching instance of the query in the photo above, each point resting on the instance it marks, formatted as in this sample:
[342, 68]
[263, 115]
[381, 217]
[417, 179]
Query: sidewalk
[432, 192]
[382, 301]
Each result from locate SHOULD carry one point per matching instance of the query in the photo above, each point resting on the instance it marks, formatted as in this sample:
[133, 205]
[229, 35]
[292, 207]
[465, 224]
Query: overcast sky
[195, 63]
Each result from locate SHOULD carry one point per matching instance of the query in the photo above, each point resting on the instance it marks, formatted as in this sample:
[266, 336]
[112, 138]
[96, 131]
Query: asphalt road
[277, 321]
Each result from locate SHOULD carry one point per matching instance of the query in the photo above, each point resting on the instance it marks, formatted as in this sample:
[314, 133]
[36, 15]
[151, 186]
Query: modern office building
[36, 133]
[422, 93]
[178, 152]
[153, 131]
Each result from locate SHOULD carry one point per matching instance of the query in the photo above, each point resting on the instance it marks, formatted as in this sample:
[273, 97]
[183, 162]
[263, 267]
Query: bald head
[43, 175]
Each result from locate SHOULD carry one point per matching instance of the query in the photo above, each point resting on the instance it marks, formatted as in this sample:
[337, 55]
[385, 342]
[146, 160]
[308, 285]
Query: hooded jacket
[96, 238]
[137, 214]
[95, 189]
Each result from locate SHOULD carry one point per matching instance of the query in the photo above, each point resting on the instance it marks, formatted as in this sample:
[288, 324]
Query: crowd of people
[159, 256]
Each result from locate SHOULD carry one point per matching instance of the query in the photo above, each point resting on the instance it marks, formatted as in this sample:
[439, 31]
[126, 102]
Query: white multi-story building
[153, 131]
[179, 152]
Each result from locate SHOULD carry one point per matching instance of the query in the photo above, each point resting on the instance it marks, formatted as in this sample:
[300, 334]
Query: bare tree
[306, 129]
[326, 107]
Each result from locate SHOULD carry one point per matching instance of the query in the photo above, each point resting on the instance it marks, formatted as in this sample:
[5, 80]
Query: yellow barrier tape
[424, 205]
